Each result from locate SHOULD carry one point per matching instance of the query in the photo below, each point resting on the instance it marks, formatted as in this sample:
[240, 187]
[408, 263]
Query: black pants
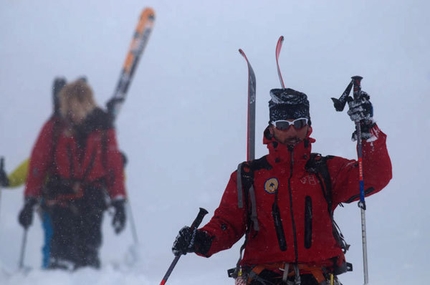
[77, 236]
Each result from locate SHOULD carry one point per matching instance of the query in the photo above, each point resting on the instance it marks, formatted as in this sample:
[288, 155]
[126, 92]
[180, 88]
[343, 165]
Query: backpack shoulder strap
[56, 132]
[245, 188]
[317, 164]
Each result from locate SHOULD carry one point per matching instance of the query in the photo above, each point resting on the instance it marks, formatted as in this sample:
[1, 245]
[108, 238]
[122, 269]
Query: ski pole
[339, 104]
[133, 226]
[21, 256]
[194, 225]
[1, 169]
[361, 203]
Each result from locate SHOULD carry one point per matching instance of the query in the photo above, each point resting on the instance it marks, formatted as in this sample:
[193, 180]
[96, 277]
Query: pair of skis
[250, 136]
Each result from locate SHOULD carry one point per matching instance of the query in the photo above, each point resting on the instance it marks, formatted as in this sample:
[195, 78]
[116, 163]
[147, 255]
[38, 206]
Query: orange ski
[140, 39]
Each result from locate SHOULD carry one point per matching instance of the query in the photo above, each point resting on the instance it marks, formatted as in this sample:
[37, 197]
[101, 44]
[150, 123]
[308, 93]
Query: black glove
[191, 240]
[119, 217]
[360, 109]
[25, 217]
[366, 132]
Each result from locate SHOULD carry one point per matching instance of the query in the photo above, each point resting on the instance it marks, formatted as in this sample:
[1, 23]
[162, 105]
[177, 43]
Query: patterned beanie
[287, 103]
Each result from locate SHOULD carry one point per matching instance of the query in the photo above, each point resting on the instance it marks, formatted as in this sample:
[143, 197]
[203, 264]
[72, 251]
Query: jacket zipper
[293, 222]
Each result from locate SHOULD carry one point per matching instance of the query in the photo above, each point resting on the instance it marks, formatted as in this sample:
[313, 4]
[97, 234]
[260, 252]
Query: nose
[291, 130]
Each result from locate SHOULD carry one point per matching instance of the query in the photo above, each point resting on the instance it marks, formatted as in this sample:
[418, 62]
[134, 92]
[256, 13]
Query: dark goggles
[284, 125]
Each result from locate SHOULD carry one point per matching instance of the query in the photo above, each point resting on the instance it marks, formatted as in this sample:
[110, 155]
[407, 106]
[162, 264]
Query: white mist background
[183, 126]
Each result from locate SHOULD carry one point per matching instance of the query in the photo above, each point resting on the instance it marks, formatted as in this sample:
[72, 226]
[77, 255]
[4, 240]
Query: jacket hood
[280, 153]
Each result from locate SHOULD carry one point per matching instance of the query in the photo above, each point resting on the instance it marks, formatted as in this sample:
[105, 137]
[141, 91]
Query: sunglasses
[284, 125]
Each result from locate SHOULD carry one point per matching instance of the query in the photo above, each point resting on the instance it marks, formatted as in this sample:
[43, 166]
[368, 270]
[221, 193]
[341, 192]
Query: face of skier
[290, 131]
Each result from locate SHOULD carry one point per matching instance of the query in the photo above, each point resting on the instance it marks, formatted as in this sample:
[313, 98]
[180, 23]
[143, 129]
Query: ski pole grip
[357, 85]
[198, 220]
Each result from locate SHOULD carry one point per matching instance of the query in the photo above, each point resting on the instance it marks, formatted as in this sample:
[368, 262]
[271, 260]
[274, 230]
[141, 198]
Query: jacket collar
[282, 154]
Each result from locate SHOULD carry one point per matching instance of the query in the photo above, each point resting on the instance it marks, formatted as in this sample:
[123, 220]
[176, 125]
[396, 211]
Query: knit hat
[287, 103]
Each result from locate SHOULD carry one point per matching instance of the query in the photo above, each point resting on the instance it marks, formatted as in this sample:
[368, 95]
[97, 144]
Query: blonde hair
[77, 94]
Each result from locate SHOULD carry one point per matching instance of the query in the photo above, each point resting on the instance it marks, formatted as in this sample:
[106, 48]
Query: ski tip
[148, 12]
[243, 54]
[281, 39]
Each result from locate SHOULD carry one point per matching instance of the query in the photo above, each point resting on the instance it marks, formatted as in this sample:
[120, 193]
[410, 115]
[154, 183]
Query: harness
[317, 164]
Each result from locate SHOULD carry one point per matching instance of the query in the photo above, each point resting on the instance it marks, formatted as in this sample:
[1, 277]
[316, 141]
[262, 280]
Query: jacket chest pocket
[308, 222]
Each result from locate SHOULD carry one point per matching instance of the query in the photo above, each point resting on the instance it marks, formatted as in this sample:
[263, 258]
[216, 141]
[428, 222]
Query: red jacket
[298, 191]
[88, 155]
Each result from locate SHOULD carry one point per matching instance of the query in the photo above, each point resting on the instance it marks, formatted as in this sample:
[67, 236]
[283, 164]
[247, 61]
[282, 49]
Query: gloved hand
[119, 217]
[361, 111]
[25, 217]
[191, 240]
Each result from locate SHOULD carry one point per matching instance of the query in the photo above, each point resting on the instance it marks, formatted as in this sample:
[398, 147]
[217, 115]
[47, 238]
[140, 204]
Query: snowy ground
[183, 125]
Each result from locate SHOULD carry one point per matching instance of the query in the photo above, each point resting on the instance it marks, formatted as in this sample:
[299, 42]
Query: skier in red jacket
[294, 240]
[75, 164]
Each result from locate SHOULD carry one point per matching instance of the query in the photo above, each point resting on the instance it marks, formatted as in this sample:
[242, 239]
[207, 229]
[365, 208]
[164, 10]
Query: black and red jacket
[309, 238]
[87, 154]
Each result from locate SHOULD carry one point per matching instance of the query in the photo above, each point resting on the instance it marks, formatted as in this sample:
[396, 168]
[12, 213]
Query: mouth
[292, 141]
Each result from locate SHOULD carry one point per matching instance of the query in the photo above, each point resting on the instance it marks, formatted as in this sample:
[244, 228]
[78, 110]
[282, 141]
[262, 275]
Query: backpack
[317, 164]
[59, 188]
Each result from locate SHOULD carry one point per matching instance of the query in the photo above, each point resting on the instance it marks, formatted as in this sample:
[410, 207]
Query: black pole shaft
[1, 169]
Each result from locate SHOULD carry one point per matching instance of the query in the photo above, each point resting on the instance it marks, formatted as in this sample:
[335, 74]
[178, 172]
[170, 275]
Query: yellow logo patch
[271, 185]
